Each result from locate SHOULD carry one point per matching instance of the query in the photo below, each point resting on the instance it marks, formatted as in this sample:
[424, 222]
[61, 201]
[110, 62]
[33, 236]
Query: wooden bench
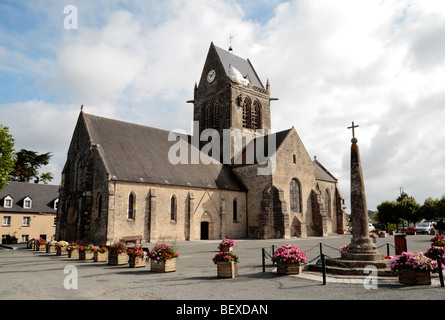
[133, 239]
[410, 231]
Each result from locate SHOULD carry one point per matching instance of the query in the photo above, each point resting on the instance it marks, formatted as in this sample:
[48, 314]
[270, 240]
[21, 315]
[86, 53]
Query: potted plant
[340, 230]
[289, 259]
[343, 248]
[51, 247]
[86, 252]
[438, 241]
[136, 257]
[227, 264]
[100, 254]
[117, 254]
[226, 245]
[413, 268]
[41, 245]
[434, 253]
[373, 236]
[61, 248]
[72, 250]
[32, 244]
[163, 258]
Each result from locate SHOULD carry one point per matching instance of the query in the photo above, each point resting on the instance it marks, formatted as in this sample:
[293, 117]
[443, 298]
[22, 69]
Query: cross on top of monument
[354, 139]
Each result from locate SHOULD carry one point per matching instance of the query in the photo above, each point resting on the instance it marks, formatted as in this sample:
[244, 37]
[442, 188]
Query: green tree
[388, 213]
[407, 208]
[27, 164]
[7, 156]
[45, 177]
[430, 210]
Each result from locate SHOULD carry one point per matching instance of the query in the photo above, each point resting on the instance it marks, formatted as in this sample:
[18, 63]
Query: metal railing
[322, 259]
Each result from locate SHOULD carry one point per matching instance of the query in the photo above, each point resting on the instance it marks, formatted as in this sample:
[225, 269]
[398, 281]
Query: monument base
[362, 256]
[356, 268]
[361, 248]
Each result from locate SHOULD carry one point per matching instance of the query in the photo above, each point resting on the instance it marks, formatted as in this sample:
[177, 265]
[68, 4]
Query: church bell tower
[230, 95]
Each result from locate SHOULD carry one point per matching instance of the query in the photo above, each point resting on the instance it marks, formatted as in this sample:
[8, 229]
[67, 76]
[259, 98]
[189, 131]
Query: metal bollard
[439, 267]
[323, 267]
[263, 259]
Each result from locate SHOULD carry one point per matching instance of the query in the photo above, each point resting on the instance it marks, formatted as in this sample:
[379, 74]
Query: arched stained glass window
[131, 206]
[173, 208]
[99, 206]
[208, 116]
[235, 210]
[216, 114]
[295, 196]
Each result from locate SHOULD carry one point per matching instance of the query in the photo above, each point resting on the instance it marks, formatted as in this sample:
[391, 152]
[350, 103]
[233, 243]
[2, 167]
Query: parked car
[424, 227]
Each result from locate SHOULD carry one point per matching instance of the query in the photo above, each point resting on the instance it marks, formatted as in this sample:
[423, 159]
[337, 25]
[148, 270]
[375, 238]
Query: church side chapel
[118, 180]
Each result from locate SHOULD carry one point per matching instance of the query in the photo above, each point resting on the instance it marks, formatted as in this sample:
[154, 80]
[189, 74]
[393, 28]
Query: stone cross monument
[361, 246]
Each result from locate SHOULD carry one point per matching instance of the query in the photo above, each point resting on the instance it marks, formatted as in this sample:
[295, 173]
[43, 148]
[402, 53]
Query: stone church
[119, 179]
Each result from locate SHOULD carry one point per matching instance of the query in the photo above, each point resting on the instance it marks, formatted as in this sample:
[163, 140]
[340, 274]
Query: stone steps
[353, 267]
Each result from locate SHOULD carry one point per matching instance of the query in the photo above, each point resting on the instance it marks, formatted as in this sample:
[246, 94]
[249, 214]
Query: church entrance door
[204, 230]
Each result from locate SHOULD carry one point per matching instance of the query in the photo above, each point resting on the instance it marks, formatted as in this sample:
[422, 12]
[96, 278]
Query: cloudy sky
[378, 63]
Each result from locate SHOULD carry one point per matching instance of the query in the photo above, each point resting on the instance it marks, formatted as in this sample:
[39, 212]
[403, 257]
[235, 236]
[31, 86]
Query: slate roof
[242, 65]
[137, 153]
[261, 141]
[42, 196]
[321, 173]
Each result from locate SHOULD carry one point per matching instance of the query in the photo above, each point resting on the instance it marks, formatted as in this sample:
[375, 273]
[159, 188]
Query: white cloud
[378, 63]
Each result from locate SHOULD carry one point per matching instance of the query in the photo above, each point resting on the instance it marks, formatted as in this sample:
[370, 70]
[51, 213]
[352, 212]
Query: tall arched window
[235, 210]
[247, 113]
[327, 203]
[99, 206]
[77, 173]
[208, 116]
[215, 114]
[256, 115]
[295, 196]
[173, 208]
[131, 212]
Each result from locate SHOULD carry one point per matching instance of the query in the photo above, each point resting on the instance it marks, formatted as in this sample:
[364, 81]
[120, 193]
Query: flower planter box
[86, 255]
[391, 232]
[117, 259]
[51, 249]
[41, 247]
[289, 268]
[227, 269]
[137, 261]
[74, 254]
[374, 240]
[61, 251]
[382, 234]
[100, 256]
[415, 277]
[432, 232]
[341, 231]
[226, 249]
[168, 265]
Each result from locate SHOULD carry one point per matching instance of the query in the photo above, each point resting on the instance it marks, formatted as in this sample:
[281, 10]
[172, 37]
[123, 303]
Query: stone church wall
[293, 162]
[152, 216]
[256, 184]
